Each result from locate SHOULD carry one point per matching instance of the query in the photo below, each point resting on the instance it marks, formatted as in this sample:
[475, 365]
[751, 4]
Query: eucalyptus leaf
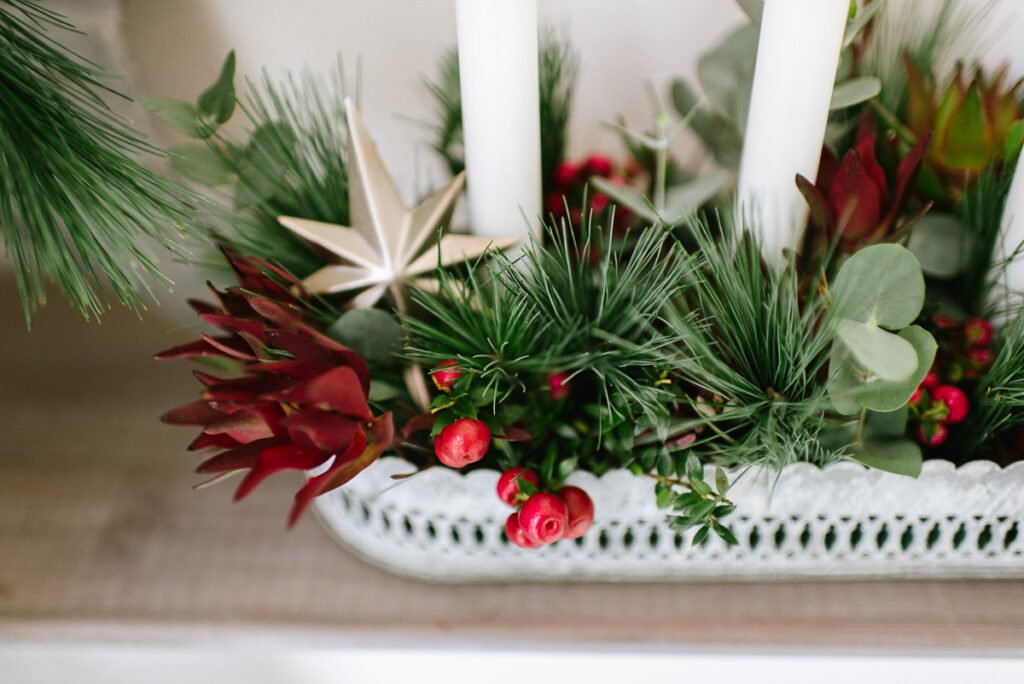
[626, 196]
[218, 101]
[941, 244]
[855, 91]
[876, 351]
[860, 21]
[683, 201]
[180, 115]
[892, 395]
[899, 456]
[882, 285]
[753, 8]
[373, 334]
[199, 162]
[892, 424]
[726, 74]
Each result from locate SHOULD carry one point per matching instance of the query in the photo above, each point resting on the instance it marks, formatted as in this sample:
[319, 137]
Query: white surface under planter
[841, 521]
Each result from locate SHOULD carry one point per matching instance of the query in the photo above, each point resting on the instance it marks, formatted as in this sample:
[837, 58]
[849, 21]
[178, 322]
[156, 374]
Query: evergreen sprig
[999, 397]
[76, 206]
[292, 162]
[557, 309]
[757, 347]
[558, 65]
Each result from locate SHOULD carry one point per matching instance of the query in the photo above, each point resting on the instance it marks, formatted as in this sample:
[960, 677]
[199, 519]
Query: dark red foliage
[301, 402]
[853, 198]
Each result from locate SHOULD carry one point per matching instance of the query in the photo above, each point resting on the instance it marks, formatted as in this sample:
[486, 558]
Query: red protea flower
[301, 402]
[852, 199]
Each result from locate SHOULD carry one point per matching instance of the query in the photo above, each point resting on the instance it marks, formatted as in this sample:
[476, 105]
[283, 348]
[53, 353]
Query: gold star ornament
[387, 244]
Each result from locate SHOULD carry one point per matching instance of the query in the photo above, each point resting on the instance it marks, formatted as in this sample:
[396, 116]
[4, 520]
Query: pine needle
[75, 204]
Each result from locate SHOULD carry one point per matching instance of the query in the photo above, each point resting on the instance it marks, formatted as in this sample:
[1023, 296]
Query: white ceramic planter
[841, 521]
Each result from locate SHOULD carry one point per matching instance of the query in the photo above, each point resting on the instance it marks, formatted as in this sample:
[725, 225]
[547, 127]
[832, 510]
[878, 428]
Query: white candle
[1008, 252]
[797, 59]
[500, 115]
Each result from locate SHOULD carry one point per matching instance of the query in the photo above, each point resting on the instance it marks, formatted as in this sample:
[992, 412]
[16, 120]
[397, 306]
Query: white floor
[34, 663]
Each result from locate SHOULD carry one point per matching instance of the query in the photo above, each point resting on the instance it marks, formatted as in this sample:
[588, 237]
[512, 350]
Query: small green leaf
[721, 481]
[199, 162]
[373, 334]
[855, 91]
[567, 466]
[179, 115]
[663, 495]
[218, 101]
[726, 534]
[1014, 141]
[941, 244]
[701, 535]
[441, 421]
[861, 18]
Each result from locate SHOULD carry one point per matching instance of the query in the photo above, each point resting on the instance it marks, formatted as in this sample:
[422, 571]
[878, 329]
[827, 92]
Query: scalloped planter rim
[842, 521]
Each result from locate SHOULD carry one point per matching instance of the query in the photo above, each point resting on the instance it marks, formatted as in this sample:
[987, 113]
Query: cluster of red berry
[542, 517]
[570, 181]
[965, 353]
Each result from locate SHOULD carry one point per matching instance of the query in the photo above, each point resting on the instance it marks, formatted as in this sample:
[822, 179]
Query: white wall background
[177, 48]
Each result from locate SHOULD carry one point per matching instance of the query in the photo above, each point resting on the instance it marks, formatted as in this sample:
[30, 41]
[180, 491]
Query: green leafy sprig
[76, 205]
[293, 162]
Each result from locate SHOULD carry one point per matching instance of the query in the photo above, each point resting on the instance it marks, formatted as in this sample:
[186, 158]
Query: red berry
[558, 385]
[463, 442]
[598, 203]
[955, 401]
[943, 322]
[933, 435]
[581, 511]
[931, 380]
[508, 484]
[980, 357]
[544, 518]
[978, 332]
[516, 535]
[556, 203]
[446, 374]
[915, 398]
[566, 173]
[598, 165]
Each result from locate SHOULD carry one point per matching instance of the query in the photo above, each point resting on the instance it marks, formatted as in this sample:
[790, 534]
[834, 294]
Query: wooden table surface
[101, 536]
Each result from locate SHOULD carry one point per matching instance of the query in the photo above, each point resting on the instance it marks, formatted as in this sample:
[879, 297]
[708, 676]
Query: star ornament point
[387, 244]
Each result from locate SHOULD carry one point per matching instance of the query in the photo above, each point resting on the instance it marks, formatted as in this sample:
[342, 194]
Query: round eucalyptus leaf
[880, 353]
[882, 285]
[941, 244]
[891, 396]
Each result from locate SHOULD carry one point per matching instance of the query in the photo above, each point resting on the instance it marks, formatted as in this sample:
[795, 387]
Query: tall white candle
[500, 114]
[1009, 248]
[797, 59]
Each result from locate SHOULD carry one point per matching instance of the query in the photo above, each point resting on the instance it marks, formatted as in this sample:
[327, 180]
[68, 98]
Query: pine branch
[75, 204]
[999, 397]
[746, 335]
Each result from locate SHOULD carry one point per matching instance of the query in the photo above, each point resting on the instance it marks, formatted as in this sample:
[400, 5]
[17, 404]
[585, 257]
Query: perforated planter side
[841, 521]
